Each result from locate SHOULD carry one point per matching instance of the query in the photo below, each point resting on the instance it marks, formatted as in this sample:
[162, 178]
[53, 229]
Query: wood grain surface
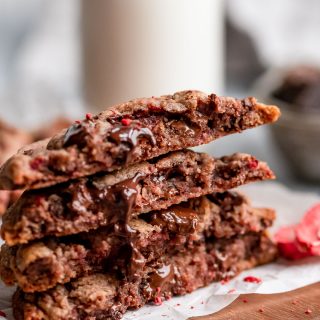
[303, 303]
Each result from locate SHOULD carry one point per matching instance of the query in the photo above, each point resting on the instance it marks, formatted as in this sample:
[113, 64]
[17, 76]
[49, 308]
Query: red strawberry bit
[315, 250]
[77, 121]
[253, 164]
[254, 228]
[245, 300]
[89, 116]
[232, 291]
[36, 163]
[308, 311]
[261, 310]
[302, 240]
[126, 122]
[158, 301]
[225, 281]
[307, 232]
[287, 243]
[312, 216]
[252, 279]
[154, 107]
[2, 314]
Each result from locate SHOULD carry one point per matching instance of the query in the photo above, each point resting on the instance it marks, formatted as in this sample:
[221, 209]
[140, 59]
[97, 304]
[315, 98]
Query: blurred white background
[40, 60]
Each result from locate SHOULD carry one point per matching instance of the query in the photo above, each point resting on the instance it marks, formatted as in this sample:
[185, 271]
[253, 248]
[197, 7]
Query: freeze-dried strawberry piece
[288, 245]
[252, 279]
[126, 122]
[308, 231]
[315, 250]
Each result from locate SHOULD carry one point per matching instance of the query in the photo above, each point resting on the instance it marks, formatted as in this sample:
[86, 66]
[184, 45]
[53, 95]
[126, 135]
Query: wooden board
[283, 306]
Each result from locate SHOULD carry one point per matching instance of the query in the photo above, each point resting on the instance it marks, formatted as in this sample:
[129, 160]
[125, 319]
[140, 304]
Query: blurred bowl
[297, 134]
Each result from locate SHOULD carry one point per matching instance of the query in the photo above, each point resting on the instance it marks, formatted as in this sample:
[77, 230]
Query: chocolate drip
[177, 219]
[130, 134]
[119, 200]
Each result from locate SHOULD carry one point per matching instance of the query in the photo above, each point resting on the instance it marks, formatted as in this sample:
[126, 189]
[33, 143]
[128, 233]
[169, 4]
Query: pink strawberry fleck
[252, 279]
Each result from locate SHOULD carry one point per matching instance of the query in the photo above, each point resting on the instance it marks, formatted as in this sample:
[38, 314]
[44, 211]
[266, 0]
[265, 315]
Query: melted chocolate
[121, 198]
[130, 134]
[119, 201]
[160, 277]
[75, 135]
[182, 127]
[157, 279]
[177, 219]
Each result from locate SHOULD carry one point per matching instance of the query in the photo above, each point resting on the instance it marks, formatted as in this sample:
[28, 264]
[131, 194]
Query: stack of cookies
[118, 213]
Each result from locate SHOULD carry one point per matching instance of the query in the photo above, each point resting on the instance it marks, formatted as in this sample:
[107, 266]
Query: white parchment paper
[276, 277]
